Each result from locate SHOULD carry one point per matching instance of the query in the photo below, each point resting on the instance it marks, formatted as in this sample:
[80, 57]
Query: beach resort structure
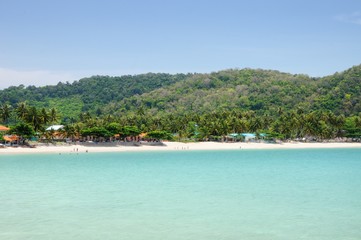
[55, 128]
[9, 140]
[3, 129]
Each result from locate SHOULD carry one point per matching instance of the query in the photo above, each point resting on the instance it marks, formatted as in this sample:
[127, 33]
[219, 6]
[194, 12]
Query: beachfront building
[246, 137]
[3, 138]
[3, 129]
[54, 133]
[55, 128]
[11, 140]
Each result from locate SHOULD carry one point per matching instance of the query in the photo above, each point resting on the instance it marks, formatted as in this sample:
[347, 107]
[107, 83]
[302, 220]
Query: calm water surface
[244, 194]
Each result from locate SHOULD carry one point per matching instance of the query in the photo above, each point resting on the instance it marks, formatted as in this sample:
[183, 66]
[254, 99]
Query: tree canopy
[193, 106]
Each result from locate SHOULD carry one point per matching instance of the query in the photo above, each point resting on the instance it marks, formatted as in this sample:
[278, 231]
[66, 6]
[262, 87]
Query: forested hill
[87, 94]
[262, 91]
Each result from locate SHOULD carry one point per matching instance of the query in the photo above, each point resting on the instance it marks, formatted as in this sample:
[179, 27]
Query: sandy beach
[174, 146]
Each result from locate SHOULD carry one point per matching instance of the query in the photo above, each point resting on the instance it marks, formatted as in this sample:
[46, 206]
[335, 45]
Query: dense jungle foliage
[261, 91]
[199, 106]
[87, 94]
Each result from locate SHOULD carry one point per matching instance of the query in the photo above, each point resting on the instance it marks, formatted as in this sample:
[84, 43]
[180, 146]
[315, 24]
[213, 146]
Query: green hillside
[192, 106]
[340, 93]
[87, 94]
[261, 91]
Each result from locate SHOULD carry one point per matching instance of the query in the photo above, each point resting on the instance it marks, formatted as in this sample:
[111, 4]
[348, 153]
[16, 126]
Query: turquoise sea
[200, 195]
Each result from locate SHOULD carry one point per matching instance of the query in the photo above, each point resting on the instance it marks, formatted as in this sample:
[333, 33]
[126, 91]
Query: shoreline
[174, 146]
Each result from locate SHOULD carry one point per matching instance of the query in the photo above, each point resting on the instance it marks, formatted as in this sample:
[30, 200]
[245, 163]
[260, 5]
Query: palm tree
[5, 112]
[311, 125]
[109, 118]
[78, 127]
[301, 120]
[243, 126]
[69, 131]
[44, 116]
[339, 123]
[358, 121]
[48, 135]
[224, 127]
[34, 118]
[267, 120]
[54, 117]
[22, 110]
[255, 124]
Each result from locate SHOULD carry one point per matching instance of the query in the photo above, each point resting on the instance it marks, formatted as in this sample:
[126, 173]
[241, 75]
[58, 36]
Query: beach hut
[55, 133]
[253, 136]
[248, 136]
[55, 127]
[3, 129]
[11, 140]
[233, 137]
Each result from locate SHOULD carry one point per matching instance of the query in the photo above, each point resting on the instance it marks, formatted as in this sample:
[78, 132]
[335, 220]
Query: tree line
[29, 121]
[193, 106]
[261, 91]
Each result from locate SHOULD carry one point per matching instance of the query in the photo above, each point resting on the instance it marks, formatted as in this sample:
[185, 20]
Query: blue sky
[43, 42]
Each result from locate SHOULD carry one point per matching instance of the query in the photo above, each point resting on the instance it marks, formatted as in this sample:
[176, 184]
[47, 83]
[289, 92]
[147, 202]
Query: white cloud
[11, 77]
[354, 18]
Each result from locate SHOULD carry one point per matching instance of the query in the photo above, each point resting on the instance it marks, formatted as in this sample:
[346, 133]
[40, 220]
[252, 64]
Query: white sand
[175, 146]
